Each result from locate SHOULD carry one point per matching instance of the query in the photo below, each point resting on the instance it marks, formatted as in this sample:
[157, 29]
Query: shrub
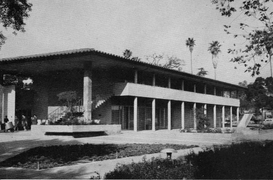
[155, 168]
[248, 160]
[52, 156]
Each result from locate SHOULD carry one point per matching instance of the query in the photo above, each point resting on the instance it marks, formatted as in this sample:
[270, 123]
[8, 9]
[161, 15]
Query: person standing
[6, 120]
[24, 122]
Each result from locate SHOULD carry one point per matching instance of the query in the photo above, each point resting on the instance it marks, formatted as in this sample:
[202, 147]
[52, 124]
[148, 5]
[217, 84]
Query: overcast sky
[143, 26]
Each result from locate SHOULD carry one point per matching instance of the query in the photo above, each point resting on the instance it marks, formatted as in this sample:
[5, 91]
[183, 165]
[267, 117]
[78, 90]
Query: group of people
[22, 123]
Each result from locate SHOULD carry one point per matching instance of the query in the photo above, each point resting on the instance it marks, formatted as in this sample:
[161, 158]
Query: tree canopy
[256, 29]
[170, 62]
[12, 15]
[260, 93]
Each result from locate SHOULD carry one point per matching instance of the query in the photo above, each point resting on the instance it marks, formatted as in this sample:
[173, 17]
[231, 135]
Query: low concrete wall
[42, 129]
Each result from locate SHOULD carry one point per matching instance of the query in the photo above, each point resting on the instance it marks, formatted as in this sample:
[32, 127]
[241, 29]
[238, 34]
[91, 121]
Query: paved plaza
[14, 143]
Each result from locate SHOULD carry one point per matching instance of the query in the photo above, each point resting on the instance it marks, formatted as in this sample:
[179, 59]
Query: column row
[182, 111]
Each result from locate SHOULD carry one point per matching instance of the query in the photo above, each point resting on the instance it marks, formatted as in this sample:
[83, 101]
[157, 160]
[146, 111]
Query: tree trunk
[191, 61]
[270, 65]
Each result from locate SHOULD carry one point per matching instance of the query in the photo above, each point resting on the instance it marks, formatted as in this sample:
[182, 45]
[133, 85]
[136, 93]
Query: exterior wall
[219, 116]
[40, 107]
[103, 113]
[176, 115]
[188, 115]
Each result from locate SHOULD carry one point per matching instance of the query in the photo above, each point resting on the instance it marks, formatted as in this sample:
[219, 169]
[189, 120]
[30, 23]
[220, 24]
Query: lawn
[54, 156]
[247, 160]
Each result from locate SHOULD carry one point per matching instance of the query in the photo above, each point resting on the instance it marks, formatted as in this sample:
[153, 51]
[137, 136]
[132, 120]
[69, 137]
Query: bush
[53, 156]
[249, 160]
[153, 169]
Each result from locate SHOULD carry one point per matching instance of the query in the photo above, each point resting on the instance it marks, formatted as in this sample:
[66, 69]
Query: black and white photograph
[136, 89]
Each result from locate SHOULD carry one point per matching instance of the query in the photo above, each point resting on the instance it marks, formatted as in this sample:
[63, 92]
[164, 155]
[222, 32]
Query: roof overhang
[75, 59]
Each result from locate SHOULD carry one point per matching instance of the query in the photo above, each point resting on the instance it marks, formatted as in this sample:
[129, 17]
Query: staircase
[60, 112]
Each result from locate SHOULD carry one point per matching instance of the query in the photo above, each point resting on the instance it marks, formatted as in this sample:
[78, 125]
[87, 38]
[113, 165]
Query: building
[115, 90]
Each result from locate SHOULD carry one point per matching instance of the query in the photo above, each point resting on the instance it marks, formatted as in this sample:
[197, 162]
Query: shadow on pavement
[16, 173]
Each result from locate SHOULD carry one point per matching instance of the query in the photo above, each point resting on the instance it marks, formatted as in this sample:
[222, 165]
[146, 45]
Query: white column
[153, 114]
[194, 116]
[194, 88]
[238, 115]
[205, 109]
[153, 79]
[183, 85]
[135, 113]
[231, 119]
[136, 76]
[169, 82]
[87, 91]
[223, 116]
[183, 115]
[214, 116]
[169, 116]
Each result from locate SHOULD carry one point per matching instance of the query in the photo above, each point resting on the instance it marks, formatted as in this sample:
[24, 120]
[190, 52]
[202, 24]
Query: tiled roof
[92, 50]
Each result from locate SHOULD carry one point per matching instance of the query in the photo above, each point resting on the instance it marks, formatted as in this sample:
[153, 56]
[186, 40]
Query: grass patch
[54, 156]
[247, 160]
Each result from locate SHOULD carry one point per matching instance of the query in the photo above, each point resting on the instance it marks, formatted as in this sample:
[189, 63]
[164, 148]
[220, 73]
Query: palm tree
[214, 49]
[190, 42]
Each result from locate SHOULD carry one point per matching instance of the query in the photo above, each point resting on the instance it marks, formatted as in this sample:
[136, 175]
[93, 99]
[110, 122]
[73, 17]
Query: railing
[61, 111]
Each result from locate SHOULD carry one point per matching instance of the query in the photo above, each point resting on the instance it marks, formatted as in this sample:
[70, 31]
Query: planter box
[74, 129]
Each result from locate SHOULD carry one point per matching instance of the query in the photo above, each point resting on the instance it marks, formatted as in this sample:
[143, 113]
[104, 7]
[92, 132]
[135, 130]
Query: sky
[143, 26]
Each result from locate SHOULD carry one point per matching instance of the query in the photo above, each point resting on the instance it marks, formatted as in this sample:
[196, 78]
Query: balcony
[146, 91]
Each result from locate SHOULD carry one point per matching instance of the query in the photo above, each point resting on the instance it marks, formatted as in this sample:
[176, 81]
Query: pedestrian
[34, 119]
[6, 120]
[16, 124]
[24, 122]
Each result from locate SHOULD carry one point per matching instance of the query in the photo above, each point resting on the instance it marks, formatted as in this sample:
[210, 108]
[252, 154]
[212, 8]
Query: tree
[257, 49]
[128, 53]
[171, 62]
[12, 15]
[190, 42]
[68, 98]
[202, 72]
[260, 93]
[214, 49]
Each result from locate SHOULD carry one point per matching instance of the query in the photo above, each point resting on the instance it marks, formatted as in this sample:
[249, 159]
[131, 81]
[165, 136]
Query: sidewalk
[17, 142]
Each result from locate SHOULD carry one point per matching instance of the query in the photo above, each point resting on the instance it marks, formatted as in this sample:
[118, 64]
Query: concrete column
[194, 88]
[169, 82]
[214, 116]
[214, 90]
[231, 119]
[183, 115]
[1, 98]
[153, 114]
[205, 89]
[194, 116]
[169, 116]
[238, 115]
[153, 79]
[135, 113]
[2, 103]
[136, 77]
[87, 91]
[223, 116]
[183, 85]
